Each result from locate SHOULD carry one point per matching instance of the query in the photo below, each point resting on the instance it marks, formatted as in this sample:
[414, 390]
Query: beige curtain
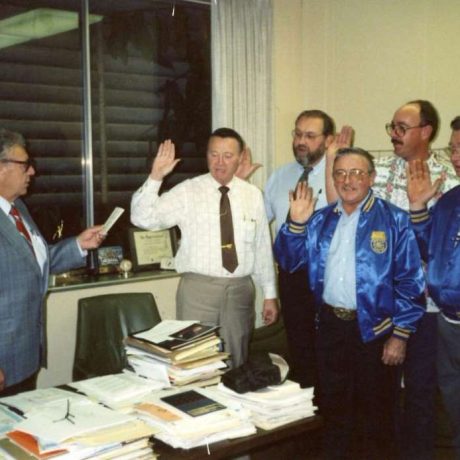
[241, 75]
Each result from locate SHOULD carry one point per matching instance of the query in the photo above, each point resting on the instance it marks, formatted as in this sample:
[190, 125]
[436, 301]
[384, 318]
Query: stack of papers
[275, 405]
[187, 351]
[120, 391]
[192, 418]
[72, 428]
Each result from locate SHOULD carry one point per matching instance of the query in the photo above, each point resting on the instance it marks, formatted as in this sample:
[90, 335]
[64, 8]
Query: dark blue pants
[417, 418]
[357, 392]
[298, 310]
[449, 374]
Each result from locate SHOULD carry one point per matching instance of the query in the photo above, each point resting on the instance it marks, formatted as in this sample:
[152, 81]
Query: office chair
[271, 339]
[103, 322]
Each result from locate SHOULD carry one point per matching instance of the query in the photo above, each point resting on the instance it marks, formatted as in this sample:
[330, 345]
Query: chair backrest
[271, 339]
[103, 322]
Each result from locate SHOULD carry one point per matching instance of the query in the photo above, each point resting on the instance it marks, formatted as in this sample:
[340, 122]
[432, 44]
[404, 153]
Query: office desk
[235, 447]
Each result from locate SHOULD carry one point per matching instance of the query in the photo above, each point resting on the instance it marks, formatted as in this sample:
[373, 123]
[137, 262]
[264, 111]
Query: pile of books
[275, 405]
[61, 425]
[189, 352]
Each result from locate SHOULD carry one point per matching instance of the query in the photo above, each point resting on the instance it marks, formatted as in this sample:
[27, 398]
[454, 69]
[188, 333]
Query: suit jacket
[22, 291]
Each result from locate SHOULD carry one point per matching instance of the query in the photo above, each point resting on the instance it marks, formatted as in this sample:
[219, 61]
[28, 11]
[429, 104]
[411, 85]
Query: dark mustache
[395, 141]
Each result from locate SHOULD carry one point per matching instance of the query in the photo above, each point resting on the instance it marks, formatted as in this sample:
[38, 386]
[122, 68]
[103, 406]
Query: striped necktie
[306, 172]
[303, 178]
[20, 225]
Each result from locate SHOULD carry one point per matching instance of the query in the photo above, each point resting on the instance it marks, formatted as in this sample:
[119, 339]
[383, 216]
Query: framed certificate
[148, 248]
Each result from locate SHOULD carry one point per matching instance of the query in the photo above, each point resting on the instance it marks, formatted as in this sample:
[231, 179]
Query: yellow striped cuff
[295, 227]
[419, 216]
[401, 333]
[385, 324]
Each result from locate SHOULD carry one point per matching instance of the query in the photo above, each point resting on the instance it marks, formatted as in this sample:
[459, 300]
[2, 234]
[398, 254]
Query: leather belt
[345, 314]
[452, 316]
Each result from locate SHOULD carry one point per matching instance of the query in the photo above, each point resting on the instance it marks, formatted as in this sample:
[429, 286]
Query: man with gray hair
[365, 271]
[25, 263]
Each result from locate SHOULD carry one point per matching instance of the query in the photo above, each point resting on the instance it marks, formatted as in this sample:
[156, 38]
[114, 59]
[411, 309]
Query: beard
[307, 157]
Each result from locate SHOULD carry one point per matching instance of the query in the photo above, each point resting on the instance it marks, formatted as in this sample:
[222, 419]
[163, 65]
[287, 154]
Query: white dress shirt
[193, 206]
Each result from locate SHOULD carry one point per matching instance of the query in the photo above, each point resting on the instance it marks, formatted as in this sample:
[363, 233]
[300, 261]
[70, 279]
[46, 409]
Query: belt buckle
[345, 314]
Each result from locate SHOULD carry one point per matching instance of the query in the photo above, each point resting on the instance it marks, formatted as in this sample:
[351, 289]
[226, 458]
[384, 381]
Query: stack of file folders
[187, 351]
[60, 425]
[275, 405]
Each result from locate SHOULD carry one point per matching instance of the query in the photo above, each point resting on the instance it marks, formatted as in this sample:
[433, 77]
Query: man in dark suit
[25, 264]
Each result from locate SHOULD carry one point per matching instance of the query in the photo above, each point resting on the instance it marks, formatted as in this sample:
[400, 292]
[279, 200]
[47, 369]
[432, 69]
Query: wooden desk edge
[239, 446]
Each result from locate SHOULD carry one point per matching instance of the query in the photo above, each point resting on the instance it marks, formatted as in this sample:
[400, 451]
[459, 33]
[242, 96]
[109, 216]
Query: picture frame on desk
[109, 258]
[149, 248]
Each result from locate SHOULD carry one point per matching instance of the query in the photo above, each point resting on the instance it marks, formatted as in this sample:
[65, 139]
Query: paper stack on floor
[191, 418]
[68, 426]
[188, 351]
[275, 405]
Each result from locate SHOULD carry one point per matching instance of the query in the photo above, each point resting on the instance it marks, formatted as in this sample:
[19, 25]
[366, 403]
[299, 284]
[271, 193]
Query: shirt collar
[317, 168]
[364, 205]
[217, 185]
[5, 205]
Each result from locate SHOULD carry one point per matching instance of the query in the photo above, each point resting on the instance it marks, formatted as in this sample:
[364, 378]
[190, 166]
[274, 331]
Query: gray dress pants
[227, 302]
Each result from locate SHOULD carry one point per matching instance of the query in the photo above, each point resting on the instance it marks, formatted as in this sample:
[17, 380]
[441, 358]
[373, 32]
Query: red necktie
[20, 225]
[229, 257]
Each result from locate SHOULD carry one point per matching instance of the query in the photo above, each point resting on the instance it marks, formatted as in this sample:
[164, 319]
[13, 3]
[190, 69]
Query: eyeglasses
[299, 135]
[356, 175]
[399, 130]
[26, 163]
[453, 149]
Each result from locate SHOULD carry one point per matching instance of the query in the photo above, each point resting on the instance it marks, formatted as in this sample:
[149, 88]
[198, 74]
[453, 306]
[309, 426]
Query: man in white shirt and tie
[209, 289]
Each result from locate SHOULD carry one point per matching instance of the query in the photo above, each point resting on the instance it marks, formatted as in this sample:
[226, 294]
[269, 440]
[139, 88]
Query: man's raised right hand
[165, 161]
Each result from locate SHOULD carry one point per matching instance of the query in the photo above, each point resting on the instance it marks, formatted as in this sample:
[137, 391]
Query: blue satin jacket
[389, 277]
[438, 235]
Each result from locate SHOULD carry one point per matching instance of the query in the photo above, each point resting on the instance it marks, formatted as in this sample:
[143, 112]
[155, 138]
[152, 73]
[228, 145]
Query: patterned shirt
[391, 181]
[391, 184]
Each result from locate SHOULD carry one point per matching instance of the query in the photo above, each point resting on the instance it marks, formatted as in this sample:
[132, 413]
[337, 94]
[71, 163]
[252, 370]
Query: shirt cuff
[83, 252]
[152, 185]
[270, 292]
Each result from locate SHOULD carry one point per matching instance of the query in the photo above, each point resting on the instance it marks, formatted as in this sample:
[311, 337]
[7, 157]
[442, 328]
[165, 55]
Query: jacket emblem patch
[378, 242]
